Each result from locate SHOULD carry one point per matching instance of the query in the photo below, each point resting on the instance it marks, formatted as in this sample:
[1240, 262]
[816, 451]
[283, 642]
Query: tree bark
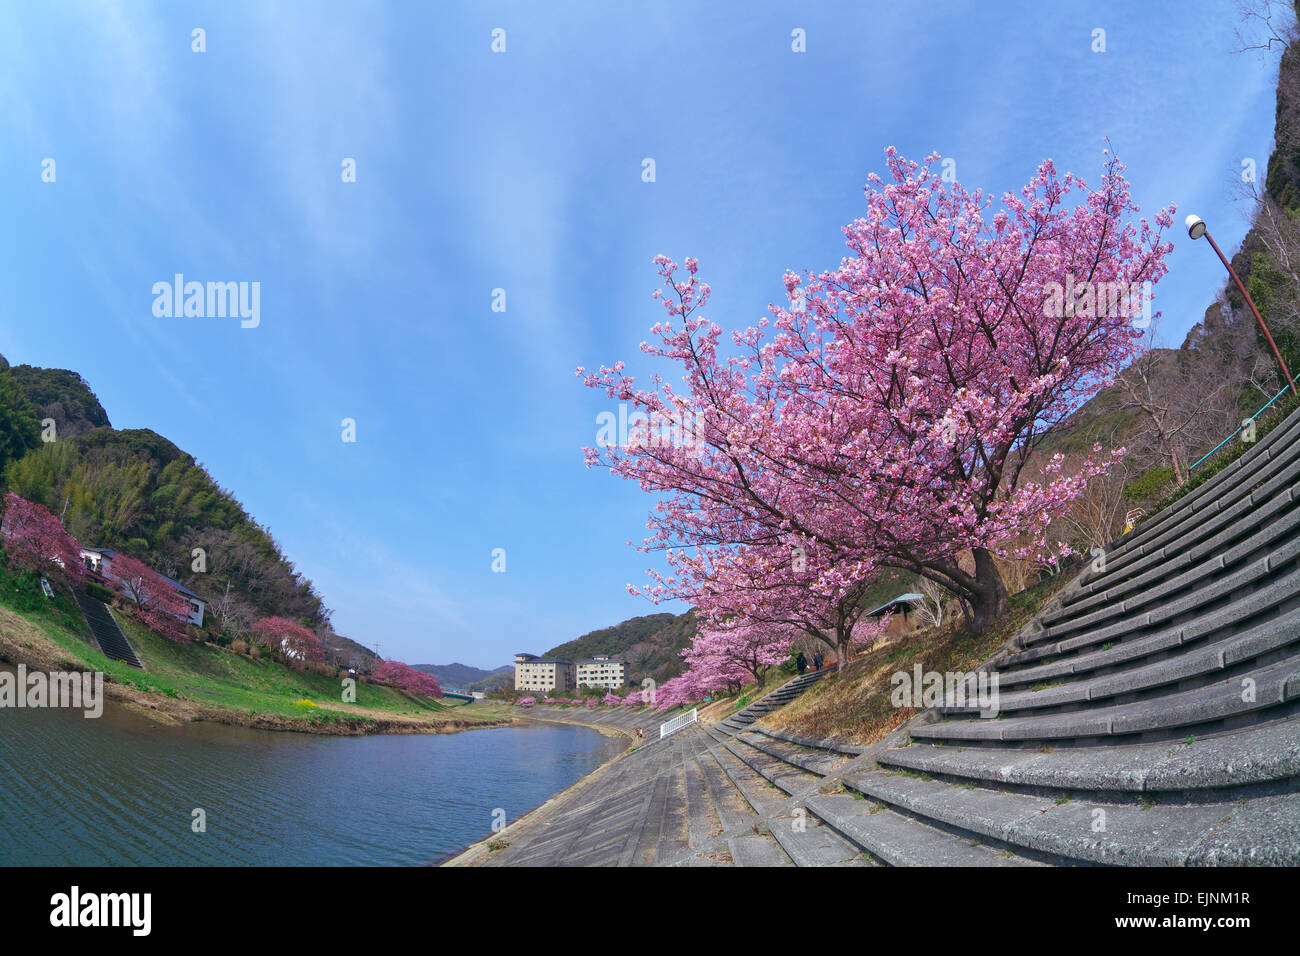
[989, 599]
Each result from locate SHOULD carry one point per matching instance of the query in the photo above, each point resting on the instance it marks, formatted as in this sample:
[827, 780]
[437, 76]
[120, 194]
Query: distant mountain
[463, 675]
[502, 679]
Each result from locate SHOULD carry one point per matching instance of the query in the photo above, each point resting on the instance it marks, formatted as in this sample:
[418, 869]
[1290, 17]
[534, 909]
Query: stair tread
[1250, 755]
[1275, 684]
[901, 840]
[1173, 834]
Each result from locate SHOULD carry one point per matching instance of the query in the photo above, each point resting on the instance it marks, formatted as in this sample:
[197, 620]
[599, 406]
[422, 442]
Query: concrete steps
[1151, 716]
[882, 834]
[1124, 830]
[1258, 754]
[900, 840]
[746, 844]
[803, 837]
[1218, 494]
[773, 701]
[106, 631]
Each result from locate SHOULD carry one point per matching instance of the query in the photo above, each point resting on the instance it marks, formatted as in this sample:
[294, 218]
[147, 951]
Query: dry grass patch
[853, 707]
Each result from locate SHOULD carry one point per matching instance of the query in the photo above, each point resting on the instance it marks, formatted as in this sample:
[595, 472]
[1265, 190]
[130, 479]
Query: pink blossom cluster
[153, 600]
[293, 640]
[407, 678]
[35, 540]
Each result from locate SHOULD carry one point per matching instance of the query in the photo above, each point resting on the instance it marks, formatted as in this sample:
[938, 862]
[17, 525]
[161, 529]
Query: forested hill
[134, 490]
[62, 395]
[651, 644]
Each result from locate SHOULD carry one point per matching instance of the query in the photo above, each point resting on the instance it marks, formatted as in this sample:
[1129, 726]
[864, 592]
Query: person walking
[818, 660]
[801, 662]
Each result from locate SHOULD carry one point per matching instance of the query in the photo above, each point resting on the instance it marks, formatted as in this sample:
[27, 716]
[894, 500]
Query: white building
[602, 671]
[542, 673]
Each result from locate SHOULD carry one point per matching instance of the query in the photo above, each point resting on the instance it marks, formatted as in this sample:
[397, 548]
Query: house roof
[602, 660]
[182, 588]
[544, 660]
[910, 598]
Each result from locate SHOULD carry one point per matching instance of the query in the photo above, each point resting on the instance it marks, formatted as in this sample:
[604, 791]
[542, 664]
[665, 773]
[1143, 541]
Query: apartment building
[543, 673]
[602, 671]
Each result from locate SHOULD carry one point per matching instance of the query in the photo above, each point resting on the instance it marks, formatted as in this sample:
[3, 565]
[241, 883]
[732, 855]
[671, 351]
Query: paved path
[1149, 716]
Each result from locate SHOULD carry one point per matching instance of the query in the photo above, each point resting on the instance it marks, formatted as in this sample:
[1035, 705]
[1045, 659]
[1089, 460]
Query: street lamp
[1196, 228]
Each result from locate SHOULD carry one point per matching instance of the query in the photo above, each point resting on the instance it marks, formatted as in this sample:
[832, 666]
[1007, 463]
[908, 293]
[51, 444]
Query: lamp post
[1196, 228]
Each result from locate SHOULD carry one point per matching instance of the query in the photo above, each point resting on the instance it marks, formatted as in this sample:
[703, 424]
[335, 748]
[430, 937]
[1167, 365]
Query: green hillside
[134, 490]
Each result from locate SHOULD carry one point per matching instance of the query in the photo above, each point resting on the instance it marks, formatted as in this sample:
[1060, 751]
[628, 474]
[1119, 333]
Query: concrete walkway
[1149, 716]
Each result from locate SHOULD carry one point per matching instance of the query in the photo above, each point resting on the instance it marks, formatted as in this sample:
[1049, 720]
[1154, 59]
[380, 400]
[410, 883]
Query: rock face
[1150, 716]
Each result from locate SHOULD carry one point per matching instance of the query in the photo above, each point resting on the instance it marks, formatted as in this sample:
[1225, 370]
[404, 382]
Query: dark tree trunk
[989, 595]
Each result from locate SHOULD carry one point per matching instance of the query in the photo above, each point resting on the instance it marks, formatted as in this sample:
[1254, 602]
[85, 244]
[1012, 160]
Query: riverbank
[481, 852]
[193, 683]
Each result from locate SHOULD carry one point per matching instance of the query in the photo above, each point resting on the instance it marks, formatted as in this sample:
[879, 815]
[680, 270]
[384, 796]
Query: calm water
[121, 790]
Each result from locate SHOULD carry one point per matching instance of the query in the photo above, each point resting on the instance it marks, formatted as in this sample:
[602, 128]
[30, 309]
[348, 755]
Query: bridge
[461, 693]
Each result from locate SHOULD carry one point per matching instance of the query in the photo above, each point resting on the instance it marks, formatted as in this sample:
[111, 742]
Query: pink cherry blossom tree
[678, 691]
[153, 600]
[35, 540]
[738, 651]
[890, 413]
[292, 640]
[407, 678]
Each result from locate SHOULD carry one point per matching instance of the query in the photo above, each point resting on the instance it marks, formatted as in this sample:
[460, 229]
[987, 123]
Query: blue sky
[522, 171]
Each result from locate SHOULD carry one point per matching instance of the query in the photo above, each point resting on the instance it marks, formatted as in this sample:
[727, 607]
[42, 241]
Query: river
[122, 790]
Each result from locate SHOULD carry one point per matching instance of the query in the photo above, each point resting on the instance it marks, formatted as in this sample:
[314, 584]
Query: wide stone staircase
[106, 631]
[1149, 716]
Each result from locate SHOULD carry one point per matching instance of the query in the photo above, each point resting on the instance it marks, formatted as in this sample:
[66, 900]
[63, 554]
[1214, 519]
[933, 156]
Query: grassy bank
[853, 707]
[186, 682]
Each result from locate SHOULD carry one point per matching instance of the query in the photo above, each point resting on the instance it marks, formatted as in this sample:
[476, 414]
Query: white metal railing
[677, 723]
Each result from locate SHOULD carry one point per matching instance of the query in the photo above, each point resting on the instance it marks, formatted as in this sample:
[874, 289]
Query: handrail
[1285, 389]
[677, 723]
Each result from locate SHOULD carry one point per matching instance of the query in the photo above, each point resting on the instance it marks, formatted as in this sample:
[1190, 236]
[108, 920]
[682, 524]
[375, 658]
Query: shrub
[22, 590]
[239, 647]
[1147, 486]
